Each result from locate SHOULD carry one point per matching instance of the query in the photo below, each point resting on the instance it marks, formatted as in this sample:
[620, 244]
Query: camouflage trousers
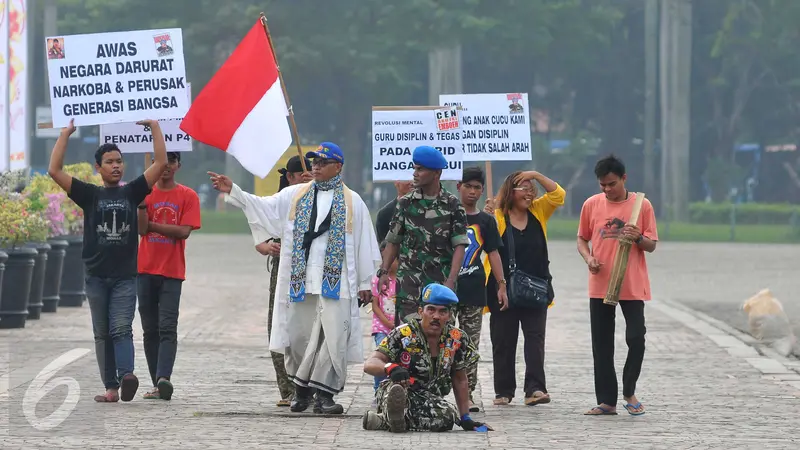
[470, 319]
[285, 385]
[405, 309]
[425, 411]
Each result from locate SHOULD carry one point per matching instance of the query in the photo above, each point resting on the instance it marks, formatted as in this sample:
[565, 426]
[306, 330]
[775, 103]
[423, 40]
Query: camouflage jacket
[407, 346]
[427, 229]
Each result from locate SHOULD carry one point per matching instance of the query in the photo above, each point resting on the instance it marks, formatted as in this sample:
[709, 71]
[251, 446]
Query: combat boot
[324, 404]
[373, 421]
[302, 399]
[396, 401]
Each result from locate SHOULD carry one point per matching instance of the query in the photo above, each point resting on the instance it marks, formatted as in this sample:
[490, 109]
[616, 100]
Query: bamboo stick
[295, 134]
[621, 258]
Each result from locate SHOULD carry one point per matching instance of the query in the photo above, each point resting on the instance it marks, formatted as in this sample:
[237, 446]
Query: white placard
[397, 132]
[116, 77]
[132, 138]
[494, 127]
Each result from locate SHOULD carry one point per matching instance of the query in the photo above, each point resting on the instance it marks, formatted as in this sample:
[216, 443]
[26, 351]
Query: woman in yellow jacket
[528, 216]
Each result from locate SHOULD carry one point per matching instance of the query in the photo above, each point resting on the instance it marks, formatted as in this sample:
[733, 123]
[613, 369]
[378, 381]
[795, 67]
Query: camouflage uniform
[427, 229]
[426, 410]
[285, 386]
[470, 319]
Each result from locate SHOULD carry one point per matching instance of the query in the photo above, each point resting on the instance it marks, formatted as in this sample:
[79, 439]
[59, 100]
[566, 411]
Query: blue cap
[429, 158]
[327, 150]
[439, 294]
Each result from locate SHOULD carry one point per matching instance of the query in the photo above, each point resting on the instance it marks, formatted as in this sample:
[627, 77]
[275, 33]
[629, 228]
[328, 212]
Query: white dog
[769, 322]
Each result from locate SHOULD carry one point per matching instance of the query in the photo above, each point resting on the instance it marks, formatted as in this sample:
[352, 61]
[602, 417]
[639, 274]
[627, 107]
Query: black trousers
[159, 300]
[504, 329]
[602, 319]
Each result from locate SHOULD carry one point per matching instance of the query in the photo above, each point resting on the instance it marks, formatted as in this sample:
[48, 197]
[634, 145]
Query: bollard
[73, 280]
[35, 304]
[52, 274]
[16, 287]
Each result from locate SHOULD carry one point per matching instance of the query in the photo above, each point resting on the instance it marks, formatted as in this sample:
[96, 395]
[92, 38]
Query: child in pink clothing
[383, 304]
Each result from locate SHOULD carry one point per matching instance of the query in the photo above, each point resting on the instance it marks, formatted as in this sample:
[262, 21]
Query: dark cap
[294, 165]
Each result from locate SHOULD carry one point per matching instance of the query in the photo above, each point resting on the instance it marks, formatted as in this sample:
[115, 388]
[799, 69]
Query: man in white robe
[328, 258]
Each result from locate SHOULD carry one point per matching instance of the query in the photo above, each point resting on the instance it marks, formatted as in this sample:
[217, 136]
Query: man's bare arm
[141, 216]
[154, 172]
[376, 364]
[583, 248]
[173, 231]
[389, 255]
[461, 391]
[455, 264]
[56, 168]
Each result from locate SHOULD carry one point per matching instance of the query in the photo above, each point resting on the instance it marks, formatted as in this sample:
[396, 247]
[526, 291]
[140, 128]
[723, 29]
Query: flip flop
[632, 409]
[604, 411]
[501, 401]
[128, 387]
[106, 398]
[152, 395]
[533, 400]
[284, 402]
[165, 389]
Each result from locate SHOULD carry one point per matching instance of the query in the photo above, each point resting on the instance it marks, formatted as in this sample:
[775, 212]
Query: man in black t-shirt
[110, 249]
[387, 211]
[480, 259]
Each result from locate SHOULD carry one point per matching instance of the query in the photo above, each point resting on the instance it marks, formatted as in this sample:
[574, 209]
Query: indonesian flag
[242, 110]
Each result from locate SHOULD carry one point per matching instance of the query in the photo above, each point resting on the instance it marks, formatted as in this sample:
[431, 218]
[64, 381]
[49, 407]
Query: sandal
[165, 389]
[539, 399]
[284, 402]
[603, 411]
[108, 397]
[632, 409]
[501, 401]
[152, 395]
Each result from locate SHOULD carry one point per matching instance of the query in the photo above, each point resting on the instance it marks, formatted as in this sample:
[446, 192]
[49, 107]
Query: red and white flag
[242, 110]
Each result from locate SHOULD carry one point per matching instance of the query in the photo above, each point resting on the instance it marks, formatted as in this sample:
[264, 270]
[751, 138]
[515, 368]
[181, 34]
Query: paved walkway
[702, 387]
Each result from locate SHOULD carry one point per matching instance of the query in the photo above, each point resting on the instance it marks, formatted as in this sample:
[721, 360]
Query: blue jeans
[378, 338]
[112, 302]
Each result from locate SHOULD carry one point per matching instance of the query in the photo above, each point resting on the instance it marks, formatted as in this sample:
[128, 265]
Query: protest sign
[397, 131]
[116, 77]
[494, 127]
[132, 138]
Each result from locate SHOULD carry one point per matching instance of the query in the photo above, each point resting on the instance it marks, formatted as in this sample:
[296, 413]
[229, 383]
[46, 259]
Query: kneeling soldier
[423, 360]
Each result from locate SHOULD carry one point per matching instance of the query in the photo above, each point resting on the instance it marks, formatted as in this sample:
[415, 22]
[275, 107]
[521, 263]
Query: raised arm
[153, 173]
[56, 168]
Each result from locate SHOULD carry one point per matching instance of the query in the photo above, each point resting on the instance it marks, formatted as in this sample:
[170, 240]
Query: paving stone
[699, 389]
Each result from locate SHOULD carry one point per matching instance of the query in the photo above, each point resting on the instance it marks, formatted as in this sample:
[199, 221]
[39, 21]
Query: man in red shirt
[166, 219]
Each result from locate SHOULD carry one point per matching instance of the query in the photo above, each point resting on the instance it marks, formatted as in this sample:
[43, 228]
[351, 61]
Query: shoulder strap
[512, 260]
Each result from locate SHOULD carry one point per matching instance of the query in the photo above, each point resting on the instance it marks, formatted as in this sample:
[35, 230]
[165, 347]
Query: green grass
[234, 222]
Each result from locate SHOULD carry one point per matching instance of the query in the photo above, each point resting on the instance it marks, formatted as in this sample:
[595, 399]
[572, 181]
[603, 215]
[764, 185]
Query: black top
[110, 226]
[483, 239]
[530, 249]
[384, 219]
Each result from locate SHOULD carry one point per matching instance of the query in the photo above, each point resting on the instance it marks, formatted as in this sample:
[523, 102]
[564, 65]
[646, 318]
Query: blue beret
[439, 294]
[429, 158]
[327, 150]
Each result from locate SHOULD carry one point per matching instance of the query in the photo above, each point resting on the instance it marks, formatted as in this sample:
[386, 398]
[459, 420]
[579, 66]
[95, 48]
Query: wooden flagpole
[285, 95]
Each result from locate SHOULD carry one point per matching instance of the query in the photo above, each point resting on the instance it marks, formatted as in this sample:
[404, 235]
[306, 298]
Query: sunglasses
[323, 162]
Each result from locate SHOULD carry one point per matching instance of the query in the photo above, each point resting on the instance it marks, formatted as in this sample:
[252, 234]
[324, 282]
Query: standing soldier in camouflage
[423, 360]
[481, 259]
[291, 175]
[428, 233]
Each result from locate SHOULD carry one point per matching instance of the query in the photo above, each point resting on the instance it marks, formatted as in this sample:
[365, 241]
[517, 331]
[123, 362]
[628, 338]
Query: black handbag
[524, 289]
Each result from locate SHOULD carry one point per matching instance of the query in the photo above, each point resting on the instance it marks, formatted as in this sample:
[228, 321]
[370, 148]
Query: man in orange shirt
[166, 219]
[603, 220]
